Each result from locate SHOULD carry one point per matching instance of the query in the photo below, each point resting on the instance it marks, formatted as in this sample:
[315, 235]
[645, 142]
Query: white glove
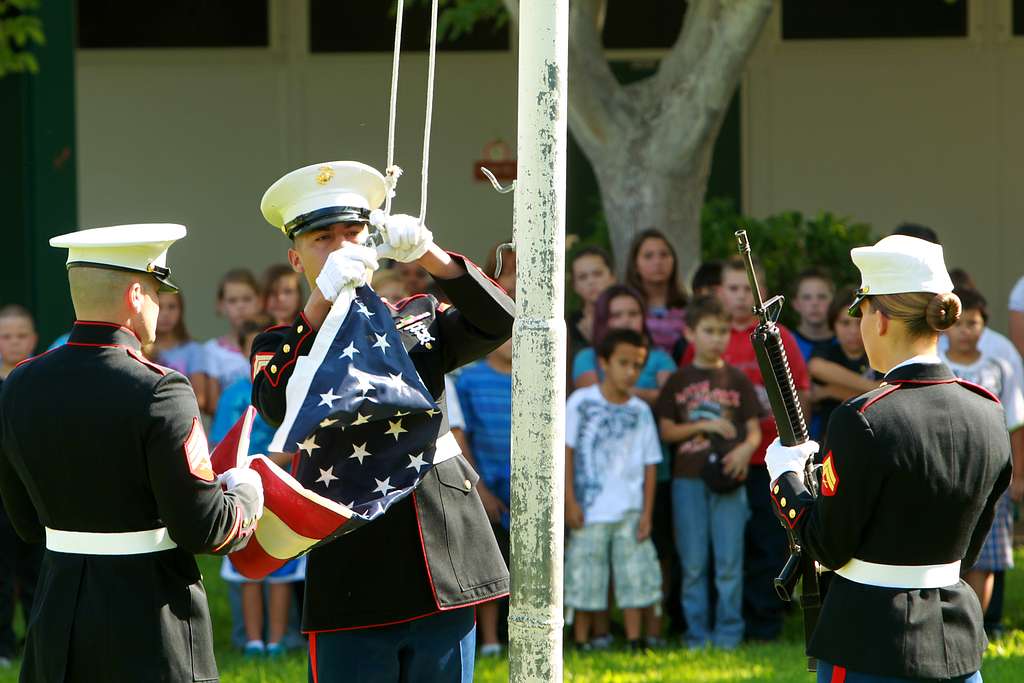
[350, 266]
[243, 475]
[405, 240]
[781, 459]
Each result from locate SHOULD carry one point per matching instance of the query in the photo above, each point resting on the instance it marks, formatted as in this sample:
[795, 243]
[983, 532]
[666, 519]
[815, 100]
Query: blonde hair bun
[943, 311]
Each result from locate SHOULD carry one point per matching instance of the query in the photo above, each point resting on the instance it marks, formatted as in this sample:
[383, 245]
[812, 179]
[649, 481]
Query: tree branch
[696, 80]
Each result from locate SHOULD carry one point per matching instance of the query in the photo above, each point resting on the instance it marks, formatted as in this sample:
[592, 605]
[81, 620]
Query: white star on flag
[350, 351]
[395, 428]
[432, 412]
[416, 462]
[359, 451]
[328, 422]
[399, 413]
[326, 476]
[383, 486]
[309, 445]
[363, 381]
[397, 383]
[363, 309]
[381, 343]
[328, 399]
[360, 420]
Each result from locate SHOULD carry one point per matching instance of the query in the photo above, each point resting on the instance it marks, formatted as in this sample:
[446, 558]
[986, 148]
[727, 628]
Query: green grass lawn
[781, 663]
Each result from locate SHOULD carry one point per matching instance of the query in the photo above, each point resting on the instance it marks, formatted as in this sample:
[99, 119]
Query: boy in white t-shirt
[611, 450]
[967, 360]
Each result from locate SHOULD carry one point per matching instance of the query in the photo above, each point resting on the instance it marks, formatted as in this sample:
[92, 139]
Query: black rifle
[778, 381]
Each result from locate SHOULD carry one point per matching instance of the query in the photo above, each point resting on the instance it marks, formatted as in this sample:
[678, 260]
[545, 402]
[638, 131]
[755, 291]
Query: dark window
[369, 26]
[172, 23]
[832, 19]
[643, 24]
[1018, 17]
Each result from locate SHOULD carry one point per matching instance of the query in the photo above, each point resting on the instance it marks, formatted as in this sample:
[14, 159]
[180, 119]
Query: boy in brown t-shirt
[708, 411]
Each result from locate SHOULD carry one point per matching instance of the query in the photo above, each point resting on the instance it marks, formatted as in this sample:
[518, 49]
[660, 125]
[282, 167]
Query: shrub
[786, 243]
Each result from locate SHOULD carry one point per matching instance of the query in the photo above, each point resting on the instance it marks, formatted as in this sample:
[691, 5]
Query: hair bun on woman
[943, 311]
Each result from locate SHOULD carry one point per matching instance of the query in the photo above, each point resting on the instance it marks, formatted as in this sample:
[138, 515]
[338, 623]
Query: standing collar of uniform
[100, 333]
[924, 368]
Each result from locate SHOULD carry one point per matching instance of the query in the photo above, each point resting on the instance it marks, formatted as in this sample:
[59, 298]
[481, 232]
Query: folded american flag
[362, 427]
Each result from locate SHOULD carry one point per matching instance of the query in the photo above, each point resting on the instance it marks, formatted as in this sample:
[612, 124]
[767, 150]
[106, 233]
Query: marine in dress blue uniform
[909, 478]
[103, 456]
[393, 600]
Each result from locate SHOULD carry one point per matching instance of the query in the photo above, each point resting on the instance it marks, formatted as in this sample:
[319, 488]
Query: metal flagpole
[538, 374]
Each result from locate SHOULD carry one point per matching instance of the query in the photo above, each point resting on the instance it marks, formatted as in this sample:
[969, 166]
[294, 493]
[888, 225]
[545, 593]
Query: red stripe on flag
[838, 673]
[302, 515]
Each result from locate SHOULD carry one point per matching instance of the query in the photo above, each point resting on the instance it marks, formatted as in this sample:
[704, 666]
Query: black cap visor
[855, 306]
[322, 218]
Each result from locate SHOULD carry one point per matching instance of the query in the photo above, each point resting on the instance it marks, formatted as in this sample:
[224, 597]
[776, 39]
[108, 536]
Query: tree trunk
[635, 199]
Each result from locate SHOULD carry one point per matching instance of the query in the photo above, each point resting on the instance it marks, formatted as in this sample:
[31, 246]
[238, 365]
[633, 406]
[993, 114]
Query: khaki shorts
[595, 549]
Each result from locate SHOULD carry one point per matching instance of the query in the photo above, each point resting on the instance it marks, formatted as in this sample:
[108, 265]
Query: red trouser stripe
[838, 674]
[312, 657]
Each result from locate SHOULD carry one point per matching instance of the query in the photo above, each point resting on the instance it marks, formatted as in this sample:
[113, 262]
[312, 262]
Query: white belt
[901, 576]
[124, 543]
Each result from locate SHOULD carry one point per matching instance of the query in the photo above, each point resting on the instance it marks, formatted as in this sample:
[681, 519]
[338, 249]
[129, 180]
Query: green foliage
[457, 18]
[19, 30]
[786, 243]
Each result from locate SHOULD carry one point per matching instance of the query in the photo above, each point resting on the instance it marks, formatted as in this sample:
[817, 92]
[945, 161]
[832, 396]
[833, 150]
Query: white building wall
[887, 131]
[196, 136]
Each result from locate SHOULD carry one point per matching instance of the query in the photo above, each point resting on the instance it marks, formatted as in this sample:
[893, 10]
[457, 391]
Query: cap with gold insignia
[320, 195]
[899, 264]
[139, 248]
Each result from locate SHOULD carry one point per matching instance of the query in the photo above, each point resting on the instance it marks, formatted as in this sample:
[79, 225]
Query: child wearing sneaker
[709, 411]
[611, 453]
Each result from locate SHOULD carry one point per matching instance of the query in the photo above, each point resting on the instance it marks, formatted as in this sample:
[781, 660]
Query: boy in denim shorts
[611, 452]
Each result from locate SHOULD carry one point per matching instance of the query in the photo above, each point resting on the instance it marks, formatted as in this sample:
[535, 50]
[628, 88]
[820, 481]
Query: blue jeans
[702, 519]
[440, 648]
[829, 673]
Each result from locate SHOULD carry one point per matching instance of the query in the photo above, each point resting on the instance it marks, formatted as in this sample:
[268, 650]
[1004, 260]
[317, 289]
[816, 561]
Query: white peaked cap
[321, 194]
[900, 264]
[141, 247]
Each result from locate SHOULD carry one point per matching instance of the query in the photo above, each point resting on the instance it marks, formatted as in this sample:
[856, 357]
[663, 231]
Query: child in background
[710, 411]
[812, 297]
[19, 561]
[765, 549]
[414, 278]
[18, 337]
[840, 371]
[388, 285]
[707, 279]
[282, 294]
[238, 299]
[621, 307]
[174, 347]
[996, 375]
[485, 396]
[233, 402]
[592, 273]
[653, 270]
[611, 453]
